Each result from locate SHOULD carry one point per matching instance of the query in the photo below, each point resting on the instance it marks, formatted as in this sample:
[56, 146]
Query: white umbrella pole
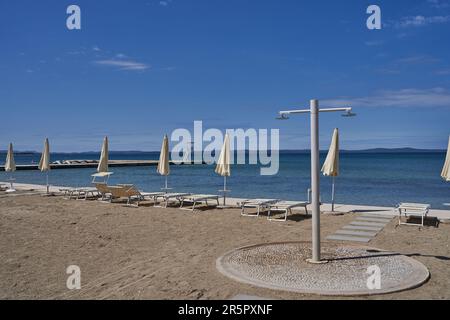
[224, 189]
[166, 184]
[11, 180]
[332, 195]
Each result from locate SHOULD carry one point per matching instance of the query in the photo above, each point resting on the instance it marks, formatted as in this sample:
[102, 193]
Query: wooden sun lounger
[104, 190]
[412, 210]
[259, 204]
[130, 192]
[198, 198]
[286, 207]
[169, 196]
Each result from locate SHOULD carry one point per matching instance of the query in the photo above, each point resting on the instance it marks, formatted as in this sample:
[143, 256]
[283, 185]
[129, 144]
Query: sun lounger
[412, 210]
[286, 207]
[198, 198]
[259, 204]
[166, 197]
[83, 193]
[66, 191]
[129, 192]
[104, 190]
[3, 187]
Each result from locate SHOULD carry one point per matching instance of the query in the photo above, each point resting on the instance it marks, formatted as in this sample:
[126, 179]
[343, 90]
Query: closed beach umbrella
[104, 158]
[331, 166]
[163, 164]
[223, 165]
[445, 174]
[44, 163]
[10, 165]
[103, 163]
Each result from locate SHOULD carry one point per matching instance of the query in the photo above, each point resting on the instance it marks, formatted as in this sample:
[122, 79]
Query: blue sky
[139, 69]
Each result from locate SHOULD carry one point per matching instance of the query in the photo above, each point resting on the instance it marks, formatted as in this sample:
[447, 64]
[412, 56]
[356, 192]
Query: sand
[156, 253]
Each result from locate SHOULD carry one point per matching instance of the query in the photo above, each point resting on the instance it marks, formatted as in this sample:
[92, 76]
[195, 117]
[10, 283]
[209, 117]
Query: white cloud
[374, 43]
[96, 48]
[420, 21]
[438, 4]
[123, 64]
[443, 72]
[417, 59]
[422, 98]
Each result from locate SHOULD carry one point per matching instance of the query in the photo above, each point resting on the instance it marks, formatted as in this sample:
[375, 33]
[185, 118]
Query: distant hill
[397, 150]
[374, 150]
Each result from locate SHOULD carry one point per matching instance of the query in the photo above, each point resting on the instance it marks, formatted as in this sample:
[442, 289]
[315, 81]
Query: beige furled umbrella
[163, 164]
[10, 166]
[44, 163]
[104, 157]
[103, 167]
[223, 165]
[445, 174]
[331, 165]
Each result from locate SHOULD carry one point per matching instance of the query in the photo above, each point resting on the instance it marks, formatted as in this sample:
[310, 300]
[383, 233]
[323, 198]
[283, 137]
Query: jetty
[80, 164]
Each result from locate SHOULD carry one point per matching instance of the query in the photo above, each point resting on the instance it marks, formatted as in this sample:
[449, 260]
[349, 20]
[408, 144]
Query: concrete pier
[94, 164]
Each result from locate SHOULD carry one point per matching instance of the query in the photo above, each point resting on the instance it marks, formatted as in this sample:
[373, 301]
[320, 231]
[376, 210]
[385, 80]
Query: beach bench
[258, 204]
[198, 198]
[166, 197]
[286, 207]
[412, 210]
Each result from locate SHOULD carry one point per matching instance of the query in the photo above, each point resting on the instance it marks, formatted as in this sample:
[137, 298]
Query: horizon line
[245, 150]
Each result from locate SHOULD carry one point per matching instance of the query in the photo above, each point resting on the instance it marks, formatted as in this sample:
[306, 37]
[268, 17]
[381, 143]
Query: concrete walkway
[363, 229]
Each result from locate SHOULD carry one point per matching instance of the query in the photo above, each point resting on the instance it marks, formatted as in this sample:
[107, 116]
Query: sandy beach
[157, 253]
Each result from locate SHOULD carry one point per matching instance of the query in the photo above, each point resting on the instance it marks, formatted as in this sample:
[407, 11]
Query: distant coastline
[285, 151]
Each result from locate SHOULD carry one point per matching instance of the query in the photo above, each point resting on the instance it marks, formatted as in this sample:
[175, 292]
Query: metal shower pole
[315, 168]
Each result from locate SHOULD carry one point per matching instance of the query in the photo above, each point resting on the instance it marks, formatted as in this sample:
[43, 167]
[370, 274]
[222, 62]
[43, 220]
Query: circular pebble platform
[283, 266]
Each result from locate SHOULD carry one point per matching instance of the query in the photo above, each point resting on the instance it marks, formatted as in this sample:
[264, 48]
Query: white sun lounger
[152, 195]
[3, 187]
[82, 193]
[198, 198]
[286, 207]
[66, 191]
[412, 210]
[166, 197]
[259, 204]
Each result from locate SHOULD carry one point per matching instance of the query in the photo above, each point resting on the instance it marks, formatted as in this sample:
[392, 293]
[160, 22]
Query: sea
[380, 179]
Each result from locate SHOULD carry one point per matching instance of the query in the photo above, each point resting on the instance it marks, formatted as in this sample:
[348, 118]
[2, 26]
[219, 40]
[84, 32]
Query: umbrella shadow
[366, 211]
[379, 253]
[296, 217]
[427, 222]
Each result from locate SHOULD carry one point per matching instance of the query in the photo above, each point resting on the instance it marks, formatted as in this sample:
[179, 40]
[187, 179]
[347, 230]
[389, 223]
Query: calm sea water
[372, 179]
